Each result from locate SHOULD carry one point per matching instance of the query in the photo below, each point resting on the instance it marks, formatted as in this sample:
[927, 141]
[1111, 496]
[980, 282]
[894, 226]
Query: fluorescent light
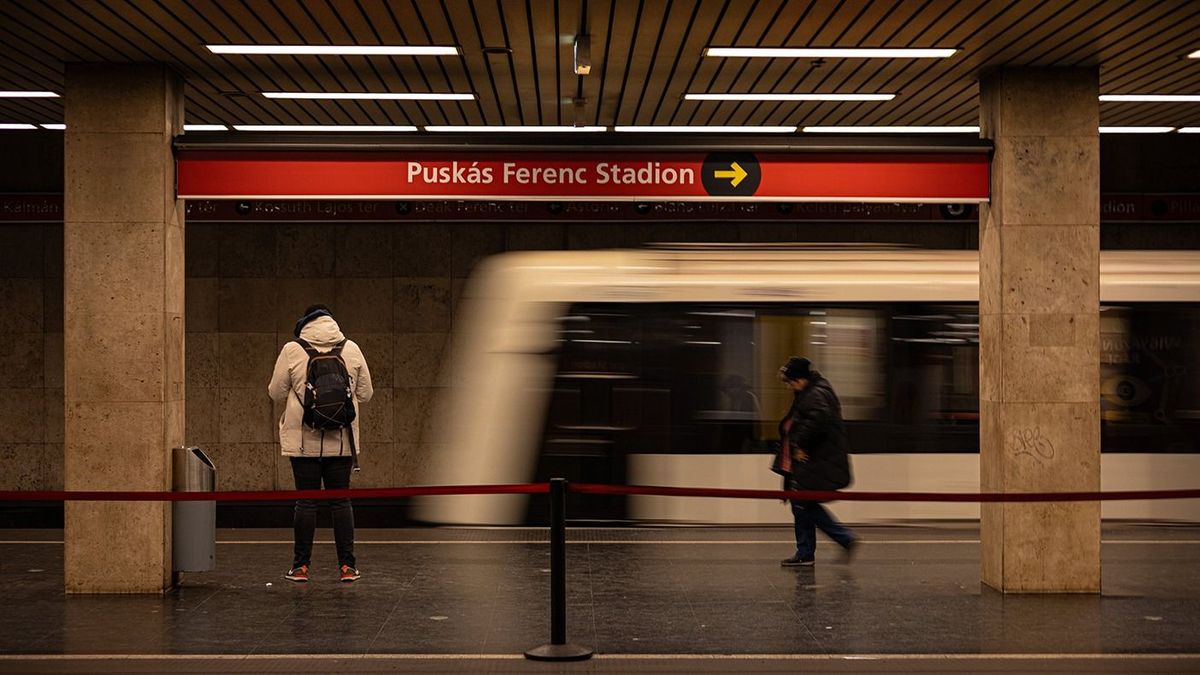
[320, 127]
[830, 53]
[28, 94]
[1151, 98]
[370, 96]
[16, 127]
[335, 50]
[205, 127]
[1194, 55]
[710, 130]
[1136, 130]
[53, 126]
[502, 127]
[789, 97]
[1189, 130]
[891, 130]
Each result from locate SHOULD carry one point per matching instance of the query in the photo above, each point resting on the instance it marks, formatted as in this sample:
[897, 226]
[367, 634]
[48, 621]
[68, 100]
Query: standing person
[322, 377]
[812, 456]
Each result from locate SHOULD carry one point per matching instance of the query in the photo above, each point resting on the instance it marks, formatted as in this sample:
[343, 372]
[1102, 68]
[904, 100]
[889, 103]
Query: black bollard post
[558, 649]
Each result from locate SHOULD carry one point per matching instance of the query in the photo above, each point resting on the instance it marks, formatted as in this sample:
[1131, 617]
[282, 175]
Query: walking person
[322, 377]
[812, 456]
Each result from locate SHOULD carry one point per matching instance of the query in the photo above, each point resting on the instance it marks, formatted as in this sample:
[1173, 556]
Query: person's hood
[322, 333]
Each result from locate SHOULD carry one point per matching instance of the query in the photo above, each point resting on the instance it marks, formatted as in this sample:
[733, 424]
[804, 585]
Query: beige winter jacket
[291, 372]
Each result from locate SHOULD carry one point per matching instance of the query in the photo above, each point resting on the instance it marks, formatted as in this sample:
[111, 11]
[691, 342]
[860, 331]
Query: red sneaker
[298, 574]
[349, 574]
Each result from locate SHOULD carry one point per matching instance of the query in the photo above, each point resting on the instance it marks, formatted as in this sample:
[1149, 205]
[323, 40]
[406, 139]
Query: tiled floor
[911, 590]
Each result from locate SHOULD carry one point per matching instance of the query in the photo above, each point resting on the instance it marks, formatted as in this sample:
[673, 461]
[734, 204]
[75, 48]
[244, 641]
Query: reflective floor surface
[717, 592]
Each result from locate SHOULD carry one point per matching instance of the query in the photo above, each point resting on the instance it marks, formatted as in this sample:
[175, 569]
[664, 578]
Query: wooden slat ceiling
[646, 54]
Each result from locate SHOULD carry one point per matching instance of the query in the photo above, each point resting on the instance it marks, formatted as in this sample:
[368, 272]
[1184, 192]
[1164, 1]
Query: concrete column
[1039, 328]
[123, 321]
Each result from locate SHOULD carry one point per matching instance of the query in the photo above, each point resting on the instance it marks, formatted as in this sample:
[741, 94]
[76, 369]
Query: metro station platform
[646, 599]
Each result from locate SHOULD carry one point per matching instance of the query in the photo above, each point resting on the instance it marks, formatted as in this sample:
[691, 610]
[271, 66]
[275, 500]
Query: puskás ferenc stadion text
[511, 173]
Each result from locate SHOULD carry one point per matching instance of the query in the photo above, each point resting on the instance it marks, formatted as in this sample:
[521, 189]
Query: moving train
[659, 367]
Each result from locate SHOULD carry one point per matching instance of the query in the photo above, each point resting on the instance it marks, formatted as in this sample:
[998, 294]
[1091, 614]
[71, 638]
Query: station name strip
[512, 173]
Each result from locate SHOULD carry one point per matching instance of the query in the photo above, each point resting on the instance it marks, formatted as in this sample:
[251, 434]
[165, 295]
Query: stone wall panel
[54, 411]
[363, 250]
[246, 305]
[202, 302]
[22, 466]
[246, 250]
[418, 358]
[203, 416]
[109, 190]
[246, 360]
[103, 344]
[203, 243]
[535, 236]
[101, 460]
[363, 305]
[244, 466]
[304, 250]
[293, 296]
[375, 419]
[22, 304]
[23, 360]
[22, 251]
[377, 350]
[246, 416]
[470, 243]
[421, 250]
[423, 305]
[1043, 271]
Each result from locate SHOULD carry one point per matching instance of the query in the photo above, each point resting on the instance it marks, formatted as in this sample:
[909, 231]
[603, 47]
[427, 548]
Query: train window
[1149, 370]
[702, 377]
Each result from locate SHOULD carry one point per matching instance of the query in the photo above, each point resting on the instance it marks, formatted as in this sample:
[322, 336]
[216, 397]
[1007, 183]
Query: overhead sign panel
[742, 176]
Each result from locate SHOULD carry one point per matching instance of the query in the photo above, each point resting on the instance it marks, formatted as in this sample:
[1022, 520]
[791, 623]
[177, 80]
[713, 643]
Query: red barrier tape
[270, 495]
[593, 489]
[815, 496]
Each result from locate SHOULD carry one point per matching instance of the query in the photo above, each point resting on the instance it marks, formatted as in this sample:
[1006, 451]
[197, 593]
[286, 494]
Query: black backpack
[328, 393]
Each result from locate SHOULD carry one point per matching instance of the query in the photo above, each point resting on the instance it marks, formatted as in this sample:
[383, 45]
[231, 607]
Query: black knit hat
[310, 314]
[797, 368]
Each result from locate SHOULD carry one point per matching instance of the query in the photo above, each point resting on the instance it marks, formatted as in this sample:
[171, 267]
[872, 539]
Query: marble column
[123, 321]
[1039, 250]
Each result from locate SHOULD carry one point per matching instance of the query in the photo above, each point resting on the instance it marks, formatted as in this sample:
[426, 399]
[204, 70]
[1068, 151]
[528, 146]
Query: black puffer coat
[817, 429]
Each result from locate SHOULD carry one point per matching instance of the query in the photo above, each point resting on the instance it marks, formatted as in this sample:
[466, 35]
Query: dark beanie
[797, 368]
[310, 314]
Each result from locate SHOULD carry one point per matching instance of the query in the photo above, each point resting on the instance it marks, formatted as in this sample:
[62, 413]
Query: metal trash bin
[193, 524]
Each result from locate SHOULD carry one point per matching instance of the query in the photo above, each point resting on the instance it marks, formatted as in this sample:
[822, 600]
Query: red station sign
[934, 177]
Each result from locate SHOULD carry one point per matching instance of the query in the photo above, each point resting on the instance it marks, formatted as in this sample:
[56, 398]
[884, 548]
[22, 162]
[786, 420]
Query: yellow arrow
[737, 174]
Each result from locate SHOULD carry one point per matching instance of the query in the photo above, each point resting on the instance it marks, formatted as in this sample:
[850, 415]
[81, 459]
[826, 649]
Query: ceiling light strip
[1136, 130]
[337, 50]
[1189, 130]
[891, 130]
[710, 129]
[54, 126]
[10, 126]
[28, 94]
[789, 97]
[369, 96]
[205, 127]
[828, 53]
[321, 127]
[471, 128]
[1150, 98]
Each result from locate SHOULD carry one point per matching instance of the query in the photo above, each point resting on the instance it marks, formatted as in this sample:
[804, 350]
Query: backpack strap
[308, 349]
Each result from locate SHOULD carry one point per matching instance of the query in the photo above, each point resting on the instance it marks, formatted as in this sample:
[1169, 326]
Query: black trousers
[310, 473]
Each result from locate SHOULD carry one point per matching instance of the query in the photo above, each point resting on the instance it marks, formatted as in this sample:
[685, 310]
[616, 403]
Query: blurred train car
[659, 367]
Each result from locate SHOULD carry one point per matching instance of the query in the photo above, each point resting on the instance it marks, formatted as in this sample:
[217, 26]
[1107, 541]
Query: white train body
[509, 335]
